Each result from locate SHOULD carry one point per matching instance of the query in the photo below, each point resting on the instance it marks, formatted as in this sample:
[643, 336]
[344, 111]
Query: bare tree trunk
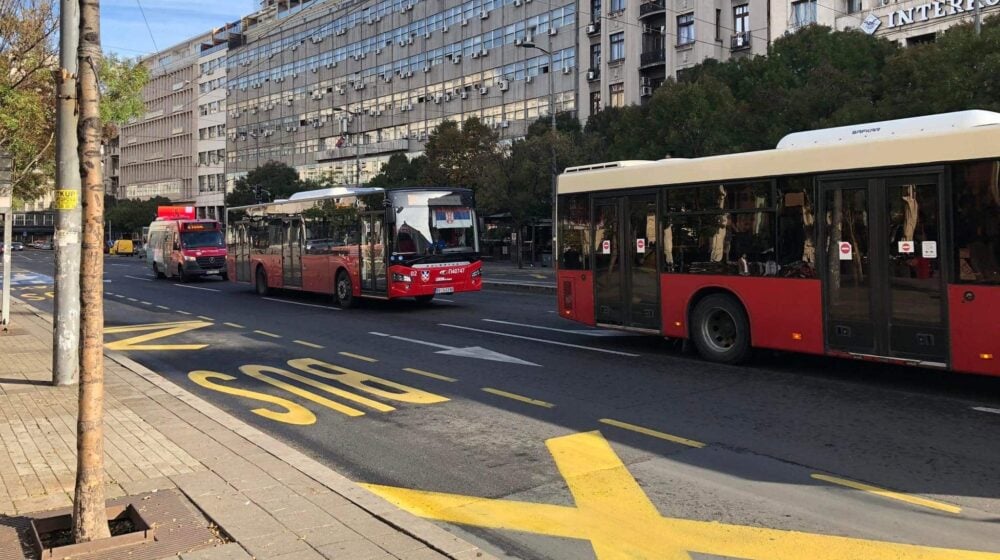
[90, 521]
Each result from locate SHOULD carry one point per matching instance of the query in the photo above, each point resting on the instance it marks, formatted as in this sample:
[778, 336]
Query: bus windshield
[434, 223]
[202, 239]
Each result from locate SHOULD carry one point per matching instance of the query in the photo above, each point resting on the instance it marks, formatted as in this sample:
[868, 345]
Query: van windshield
[202, 239]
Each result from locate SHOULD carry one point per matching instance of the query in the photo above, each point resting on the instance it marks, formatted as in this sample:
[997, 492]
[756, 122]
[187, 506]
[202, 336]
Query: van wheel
[720, 329]
[181, 276]
[345, 290]
[157, 272]
[424, 300]
[260, 286]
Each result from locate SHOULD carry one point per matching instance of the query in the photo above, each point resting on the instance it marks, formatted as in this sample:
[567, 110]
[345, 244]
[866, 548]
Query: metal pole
[8, 231]
[552, 147]
[357, 148]
[976, 16]
[66, 331]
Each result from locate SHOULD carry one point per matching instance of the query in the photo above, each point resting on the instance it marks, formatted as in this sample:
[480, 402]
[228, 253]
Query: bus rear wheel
[260, 284]
[345, 290]
[720, 329]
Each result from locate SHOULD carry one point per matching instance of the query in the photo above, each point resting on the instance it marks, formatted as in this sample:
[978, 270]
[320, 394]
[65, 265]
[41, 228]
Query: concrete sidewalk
[504, 275]
[267, 499]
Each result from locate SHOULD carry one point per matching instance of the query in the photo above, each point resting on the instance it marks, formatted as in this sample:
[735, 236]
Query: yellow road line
[163, 307]
[914, 500]
[516, 397]
[309, 344]
[358, 357]
[265, 333]
[204, 318]
[183, 312]
[653, 433]
[234, 325]
[429, 374]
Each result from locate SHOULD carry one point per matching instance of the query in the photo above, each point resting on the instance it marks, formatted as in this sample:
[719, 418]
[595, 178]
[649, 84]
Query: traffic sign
[846, 251]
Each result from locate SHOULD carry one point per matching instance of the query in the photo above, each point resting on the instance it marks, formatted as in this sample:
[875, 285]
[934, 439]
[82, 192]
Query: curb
[433, 536]
[519, 287]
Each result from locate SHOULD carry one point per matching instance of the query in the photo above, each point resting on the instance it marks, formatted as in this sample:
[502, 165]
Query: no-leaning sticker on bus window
[606, 246]
[928, 249]
[640, 245]
[906, 247]
[846, 252]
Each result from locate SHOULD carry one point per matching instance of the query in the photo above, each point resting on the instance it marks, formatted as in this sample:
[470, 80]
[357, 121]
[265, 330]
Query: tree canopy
[274, 180]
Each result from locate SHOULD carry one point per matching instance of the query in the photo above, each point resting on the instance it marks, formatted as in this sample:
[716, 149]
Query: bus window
[977, 222]
[574, 232]
[796, 243]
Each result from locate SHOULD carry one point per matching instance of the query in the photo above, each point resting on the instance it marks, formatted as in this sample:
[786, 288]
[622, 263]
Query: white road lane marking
[542, 340]
[197, 288]
[469, 352]
[987, 409]
[586, 332]
[302, 304]
[138, 278]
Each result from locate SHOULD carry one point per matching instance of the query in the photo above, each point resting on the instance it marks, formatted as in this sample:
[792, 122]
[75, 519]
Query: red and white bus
[359, 242]
[186, 249]
[878, 241]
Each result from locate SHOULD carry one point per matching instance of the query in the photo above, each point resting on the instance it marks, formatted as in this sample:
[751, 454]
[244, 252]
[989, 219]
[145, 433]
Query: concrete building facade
[335, 89]
[909, 21]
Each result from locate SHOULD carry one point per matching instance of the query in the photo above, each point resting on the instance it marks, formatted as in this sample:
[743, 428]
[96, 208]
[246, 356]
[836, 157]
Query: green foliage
[121, 83]
[276, 178]
[400, 171]
[456, 155]
[130, 216]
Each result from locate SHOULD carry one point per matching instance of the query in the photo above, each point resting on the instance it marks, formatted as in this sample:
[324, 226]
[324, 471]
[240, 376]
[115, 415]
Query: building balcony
[650, 58]
[373, 148]
[654, 7]
[740, 41]
[593, 74]
[594, 27]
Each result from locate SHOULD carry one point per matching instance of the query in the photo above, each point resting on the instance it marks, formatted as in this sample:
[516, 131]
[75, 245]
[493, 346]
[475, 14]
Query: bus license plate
[444, 290]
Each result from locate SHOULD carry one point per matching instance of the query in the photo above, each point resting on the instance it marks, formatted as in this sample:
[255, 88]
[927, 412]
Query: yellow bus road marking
[234, 325]
[265, 333]
[307, 344]
[183, 312]
[914, 500]
[521, 398]
[163, 307]
[158, 330]
[614, 513]
[357, 357]
[429, 374]
[293, 414]
[204, 318]
[654, 433]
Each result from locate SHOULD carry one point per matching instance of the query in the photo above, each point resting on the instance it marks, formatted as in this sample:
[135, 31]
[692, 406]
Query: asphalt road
[539, 438]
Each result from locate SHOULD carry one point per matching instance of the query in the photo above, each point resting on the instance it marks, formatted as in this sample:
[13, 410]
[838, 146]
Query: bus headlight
[397, 277]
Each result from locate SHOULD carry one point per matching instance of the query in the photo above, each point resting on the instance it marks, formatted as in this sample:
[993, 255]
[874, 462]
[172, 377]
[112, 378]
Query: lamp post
[357, 145]
[529, 43]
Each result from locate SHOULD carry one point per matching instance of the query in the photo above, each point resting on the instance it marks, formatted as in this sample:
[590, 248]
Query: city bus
[879, 242]
[354, 242]
[186, 249]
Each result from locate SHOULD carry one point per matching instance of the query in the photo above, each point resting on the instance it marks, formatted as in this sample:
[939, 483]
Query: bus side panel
[975, 345]
[785, 314]
[318, 273]
[575, 295]
[272, 267]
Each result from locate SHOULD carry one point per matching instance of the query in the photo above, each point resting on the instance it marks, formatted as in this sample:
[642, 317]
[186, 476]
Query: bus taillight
[568, 297]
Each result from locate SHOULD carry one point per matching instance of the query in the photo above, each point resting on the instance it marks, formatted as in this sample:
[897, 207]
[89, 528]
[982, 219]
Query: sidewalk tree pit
[53, 536]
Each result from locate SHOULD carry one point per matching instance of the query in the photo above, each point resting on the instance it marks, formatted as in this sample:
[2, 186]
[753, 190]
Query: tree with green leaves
[121, 84]
[401, 171]
[272, 181]
[455, 155]
[130, 216]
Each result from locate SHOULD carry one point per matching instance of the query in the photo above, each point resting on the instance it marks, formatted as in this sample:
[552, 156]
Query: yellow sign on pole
[67, 199]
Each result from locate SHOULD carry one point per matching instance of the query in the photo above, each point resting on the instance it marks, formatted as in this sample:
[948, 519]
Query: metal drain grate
[180, 527]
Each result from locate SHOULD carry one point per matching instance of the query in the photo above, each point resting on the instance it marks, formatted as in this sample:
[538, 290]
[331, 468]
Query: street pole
[977, 17]
[552, 146]
[90, 520]
[6, 205]
[66, 331]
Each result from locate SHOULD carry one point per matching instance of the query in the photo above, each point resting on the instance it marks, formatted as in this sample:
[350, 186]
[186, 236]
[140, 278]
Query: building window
[617, 97]
[853, 6]
[595, 102]
[718, 24]
[803, 12]
[685, 29]
[617, 7]
[741, 18]
[617, 43]
[595, 56]
[595, 10]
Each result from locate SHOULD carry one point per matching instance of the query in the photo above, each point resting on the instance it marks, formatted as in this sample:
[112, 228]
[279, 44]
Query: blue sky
[124, 32]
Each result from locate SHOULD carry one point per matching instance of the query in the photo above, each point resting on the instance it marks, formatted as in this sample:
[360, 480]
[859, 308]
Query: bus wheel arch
[719, 326]
[343, 289]
[260, 280]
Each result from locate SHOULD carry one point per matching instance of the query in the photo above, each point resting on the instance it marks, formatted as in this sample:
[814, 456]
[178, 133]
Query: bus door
[242, 256]
[373, 252]
[291, 253]
[626, 279]
[884, 290]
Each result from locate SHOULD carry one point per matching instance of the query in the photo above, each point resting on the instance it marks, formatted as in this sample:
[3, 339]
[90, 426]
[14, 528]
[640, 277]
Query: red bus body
[893, 258]
[186, 249]
[313, 240]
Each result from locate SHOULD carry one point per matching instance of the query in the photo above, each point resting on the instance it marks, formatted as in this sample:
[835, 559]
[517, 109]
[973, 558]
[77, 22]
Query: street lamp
[529, 43]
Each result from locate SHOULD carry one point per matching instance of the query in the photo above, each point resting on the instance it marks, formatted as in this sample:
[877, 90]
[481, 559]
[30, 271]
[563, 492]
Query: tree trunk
[90, 521]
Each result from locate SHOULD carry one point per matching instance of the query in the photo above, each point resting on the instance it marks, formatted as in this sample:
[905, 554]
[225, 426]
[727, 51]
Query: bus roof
[966, 135]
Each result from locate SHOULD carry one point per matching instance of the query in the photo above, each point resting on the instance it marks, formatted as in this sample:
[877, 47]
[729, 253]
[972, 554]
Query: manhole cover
[180, 527]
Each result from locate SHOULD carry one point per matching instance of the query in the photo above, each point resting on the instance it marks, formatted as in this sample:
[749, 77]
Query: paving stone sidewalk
[273, 501]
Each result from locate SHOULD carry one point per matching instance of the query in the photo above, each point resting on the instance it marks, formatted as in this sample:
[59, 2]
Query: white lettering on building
[926, 12]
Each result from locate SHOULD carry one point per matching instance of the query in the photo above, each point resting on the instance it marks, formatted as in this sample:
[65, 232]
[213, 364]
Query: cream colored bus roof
[976, 142]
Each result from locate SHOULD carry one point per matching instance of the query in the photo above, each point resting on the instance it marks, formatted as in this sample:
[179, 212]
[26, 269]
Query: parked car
[46, 245]
[16, 246]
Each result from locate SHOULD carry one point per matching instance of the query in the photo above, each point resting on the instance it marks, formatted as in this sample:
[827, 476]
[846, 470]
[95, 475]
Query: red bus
[186, 249]
[359, 242]
[878, 241]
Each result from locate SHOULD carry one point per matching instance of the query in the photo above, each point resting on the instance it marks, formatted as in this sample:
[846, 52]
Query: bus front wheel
[260, 285]
[720, 329]
[345, 290]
